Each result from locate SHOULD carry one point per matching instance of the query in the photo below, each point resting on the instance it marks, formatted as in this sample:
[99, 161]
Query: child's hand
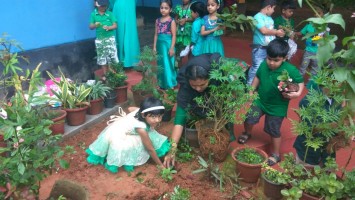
[171, 52]
[280, 33]
[107, 28]
[97, 24]
[182, 21]
[155, 49]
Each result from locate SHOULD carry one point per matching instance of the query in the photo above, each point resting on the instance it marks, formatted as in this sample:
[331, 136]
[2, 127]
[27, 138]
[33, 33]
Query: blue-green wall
[43, 23]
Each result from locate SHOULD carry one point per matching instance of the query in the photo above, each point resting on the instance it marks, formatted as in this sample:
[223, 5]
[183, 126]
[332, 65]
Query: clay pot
[190, 135]
[121, 93]
[167, 115]
[139, 96]
[96, 106]
[249, 173]
[76, 116]
[58, 123]
[271, 189]
[218, 149]
[306, 196]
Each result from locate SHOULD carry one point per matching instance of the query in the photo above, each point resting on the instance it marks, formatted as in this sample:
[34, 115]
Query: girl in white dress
[131, 140]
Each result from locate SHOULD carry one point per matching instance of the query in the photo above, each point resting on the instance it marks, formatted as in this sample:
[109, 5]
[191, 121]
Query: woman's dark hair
[288, 4]
[169, 2]
[277, 48]
[197, 72]
[199, 7]
[148, 103]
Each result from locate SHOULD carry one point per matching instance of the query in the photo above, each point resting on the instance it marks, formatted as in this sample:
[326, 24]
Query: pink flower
[16, 145]
[353, 15]
[21, 140]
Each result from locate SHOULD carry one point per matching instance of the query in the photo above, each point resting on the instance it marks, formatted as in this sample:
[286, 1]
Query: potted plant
[148, 85]
[116, 79]
[228, 96]
[73, 98]
[33, 151]
[97, 93]
[168, 97]
[248, 162]
[286, 84]
[274, 181]
[320, 183]
[56, 115]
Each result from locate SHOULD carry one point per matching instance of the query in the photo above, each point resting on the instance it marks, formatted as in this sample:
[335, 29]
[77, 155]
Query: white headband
[153, 108]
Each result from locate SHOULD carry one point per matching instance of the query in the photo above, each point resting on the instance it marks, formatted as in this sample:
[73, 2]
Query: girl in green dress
[131, 139]
[211, 29]
[184, 21]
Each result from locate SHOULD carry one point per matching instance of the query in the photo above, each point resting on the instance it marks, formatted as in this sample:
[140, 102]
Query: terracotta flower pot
[306, 196]
[59, 123]
[139, 96]
[76, 116]
[96, 106]
[249, 173]
[271, 189]
[121, 94]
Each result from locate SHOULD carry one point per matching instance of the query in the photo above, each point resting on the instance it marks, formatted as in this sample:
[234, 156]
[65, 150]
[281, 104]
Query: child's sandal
[244, 137]
[273, 159]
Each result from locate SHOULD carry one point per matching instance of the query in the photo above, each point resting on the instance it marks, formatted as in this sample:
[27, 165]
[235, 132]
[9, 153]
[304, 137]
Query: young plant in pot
[116, 79]
[220, 104]
[97, 93]
[31, 151]
[73, 98]
[168, 97]
[274, 181]
[148, 85]
[56, 115]
[248, 162]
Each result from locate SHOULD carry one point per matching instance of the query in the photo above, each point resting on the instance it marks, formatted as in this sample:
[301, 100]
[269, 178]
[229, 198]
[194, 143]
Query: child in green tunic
[184, 21]
[271, 102]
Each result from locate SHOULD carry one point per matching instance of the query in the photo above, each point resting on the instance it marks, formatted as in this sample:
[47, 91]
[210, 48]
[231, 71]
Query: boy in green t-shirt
[105, 24]
[285, 20]
[271, 102]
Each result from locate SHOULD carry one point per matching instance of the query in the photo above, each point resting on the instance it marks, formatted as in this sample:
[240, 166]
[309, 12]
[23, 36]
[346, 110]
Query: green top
[270, 98]
[310, 46]
[288, 23]
[183, 34]
[107, 19]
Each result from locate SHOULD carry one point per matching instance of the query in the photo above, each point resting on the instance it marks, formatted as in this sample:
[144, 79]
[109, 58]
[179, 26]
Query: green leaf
[64, 164]
[21, 168]
[335, 19]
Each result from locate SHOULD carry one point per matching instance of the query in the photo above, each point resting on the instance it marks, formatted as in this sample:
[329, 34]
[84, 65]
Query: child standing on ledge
[105, 24]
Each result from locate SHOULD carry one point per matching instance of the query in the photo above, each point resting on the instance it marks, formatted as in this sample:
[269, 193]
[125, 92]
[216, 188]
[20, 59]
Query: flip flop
[273, 159]
[244, 137]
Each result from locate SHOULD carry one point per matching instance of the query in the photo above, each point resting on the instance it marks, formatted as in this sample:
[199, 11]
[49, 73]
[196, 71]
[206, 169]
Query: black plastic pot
[110, 100]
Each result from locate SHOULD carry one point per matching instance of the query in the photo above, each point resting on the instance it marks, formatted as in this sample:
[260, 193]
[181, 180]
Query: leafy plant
[180, 193]
[292, 194]
[231, 19]
[184, 152]
[115, 76]
[275, 176]
[349, 186]
[249, 155]
[212, 140]
[228, 97]
[32, 152]
[168, 98]
[71, 95]
[167, 174]
[98, 90]
[148, 84]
